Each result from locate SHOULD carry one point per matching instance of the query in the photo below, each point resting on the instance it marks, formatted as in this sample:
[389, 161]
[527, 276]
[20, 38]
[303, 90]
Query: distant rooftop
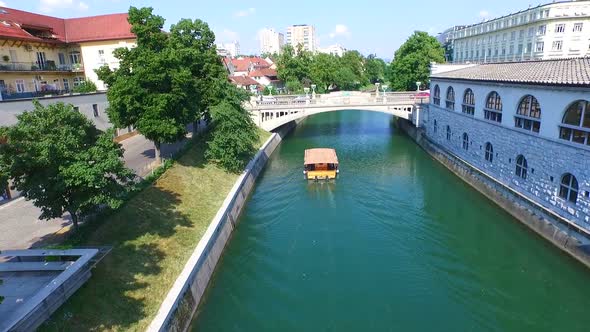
[569, 72]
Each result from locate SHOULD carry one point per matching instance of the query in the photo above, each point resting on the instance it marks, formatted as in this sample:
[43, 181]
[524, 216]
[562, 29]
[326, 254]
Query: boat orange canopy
[320, 156]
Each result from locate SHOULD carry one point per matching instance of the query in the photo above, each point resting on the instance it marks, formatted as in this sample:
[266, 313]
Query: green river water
[396, 243]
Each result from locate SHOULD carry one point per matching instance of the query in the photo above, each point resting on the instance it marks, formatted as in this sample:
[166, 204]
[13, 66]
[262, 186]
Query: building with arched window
[536, 114]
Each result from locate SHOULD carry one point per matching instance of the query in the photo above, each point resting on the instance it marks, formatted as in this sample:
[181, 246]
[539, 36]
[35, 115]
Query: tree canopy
[59, 160]
[167, 81]
[233, 137]
[352, 71]
[412, 61]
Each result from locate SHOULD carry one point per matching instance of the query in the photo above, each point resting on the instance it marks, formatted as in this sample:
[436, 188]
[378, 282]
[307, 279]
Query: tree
[375, 69]
[85, 87]
[354, 61]
[167, 81]
[412, 61]
[323, 71]
[345, 79]
[233, 137]
[59, 160]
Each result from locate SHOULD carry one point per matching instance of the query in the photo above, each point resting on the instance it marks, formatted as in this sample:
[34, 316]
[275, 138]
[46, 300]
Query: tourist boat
[320, 164]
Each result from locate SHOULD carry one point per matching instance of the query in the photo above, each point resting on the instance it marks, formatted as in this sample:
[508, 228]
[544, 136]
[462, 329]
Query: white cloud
[48, 6]
[340, 30]
[2, 4]
[245, 12]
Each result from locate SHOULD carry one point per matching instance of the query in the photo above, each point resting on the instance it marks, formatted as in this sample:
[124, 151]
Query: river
[396, 243]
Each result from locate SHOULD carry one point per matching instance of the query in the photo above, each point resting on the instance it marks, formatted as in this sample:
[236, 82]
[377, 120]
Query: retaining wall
[563, 233]
[180, 305]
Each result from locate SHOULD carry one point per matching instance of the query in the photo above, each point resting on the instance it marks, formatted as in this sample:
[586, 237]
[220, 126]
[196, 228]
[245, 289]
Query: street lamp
[377, 89]
[270, 90]
[306, 90]
[418, 83]
[384, 87]
[313, 86]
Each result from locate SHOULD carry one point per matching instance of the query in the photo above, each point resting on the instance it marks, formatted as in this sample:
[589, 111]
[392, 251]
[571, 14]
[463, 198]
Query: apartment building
[43, 54]
[304, 35]
[549, 31]
[271, 41]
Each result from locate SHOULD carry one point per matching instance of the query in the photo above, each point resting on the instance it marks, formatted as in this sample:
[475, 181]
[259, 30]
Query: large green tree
[323, 71]
[59, 160]
[375, 69]
[233, 137]
[412, 61]
[167, 81]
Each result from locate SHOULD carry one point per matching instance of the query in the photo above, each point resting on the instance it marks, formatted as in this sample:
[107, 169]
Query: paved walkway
[20, 227]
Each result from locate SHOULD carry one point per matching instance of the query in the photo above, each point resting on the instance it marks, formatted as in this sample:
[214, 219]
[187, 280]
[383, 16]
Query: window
[513, 35]
[20, 86]
[75, 57]
[557, 44]
[465, 141]
[541, 30]
[559, 28]
[468, 106]
[511, 50]
[578, 27]
[66, 84]
[436, 97]
[528, 114]
[448, 133]
[521, 167]
[519, 48]
[539, 46]
[531, 31]
[450, 103]
[435, 126]
[95, 110]
[568, 189]
[493, 108]
[79, 80]
[489, 152]
[575, 125]
[521, 34]
[62, 58]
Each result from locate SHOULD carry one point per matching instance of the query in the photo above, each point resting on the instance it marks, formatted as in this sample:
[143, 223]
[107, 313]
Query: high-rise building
[550, 31]
[336, 49]
[228, 49]
[304, 35]
[271, 42]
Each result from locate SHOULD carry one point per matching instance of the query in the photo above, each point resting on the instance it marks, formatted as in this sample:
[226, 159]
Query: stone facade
[548, 157]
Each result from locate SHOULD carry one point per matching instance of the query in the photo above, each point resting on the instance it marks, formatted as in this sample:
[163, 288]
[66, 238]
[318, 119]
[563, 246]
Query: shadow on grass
[114, 297]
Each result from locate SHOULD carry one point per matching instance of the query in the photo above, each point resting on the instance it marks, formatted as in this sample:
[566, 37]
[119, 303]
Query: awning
[320, 156]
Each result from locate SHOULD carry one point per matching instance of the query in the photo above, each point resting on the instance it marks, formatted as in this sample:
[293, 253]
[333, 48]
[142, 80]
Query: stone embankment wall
[180, 305]
[563, 233]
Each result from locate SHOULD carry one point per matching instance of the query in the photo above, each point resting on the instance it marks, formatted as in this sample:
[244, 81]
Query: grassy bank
[152, 236]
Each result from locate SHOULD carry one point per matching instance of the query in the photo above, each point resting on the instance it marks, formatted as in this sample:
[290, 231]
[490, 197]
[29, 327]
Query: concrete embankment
[180, 305]
[561, 232]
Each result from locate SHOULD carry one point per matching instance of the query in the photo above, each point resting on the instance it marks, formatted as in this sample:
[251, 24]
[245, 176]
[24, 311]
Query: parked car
[300, 99]
[268, 100]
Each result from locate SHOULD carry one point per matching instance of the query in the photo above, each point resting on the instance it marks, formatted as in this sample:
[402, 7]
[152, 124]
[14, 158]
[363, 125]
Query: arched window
[468, 102]
[448, 133]
[435, 126]
[493, 109]
[528, 114]
[465, 141]
[450, 98]
[489, 152]
[436, 96]
[575, 125]
[521, 167]
[568, 189]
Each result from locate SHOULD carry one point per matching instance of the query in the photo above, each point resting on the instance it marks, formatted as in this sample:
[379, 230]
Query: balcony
[47, 66]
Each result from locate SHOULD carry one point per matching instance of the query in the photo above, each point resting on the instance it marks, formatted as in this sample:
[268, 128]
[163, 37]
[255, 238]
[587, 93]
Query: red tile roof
[242, 64]
[268, 72]
[243, 80]
[13, 23]
[95, 28]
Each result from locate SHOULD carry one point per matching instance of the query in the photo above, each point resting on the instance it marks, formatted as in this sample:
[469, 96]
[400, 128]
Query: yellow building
[41, 54]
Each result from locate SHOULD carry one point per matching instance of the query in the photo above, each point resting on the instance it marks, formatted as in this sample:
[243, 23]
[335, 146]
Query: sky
[371, 27]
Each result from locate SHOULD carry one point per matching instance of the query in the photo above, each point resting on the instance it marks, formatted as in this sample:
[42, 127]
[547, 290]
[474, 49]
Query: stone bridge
[273, 112]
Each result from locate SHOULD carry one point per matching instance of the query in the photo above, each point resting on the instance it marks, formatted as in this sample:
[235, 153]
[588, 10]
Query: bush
[85, 87]
[233, 137]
